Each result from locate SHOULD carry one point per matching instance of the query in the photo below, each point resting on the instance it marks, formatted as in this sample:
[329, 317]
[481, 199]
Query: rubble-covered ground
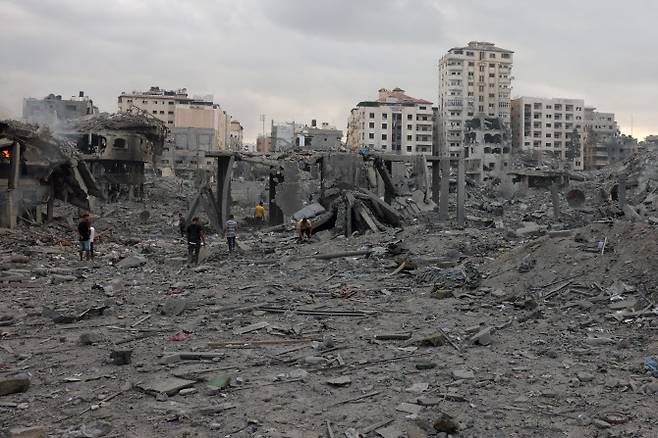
[432, 330]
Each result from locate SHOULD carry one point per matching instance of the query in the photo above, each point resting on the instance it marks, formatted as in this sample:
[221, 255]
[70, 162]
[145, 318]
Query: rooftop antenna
[262, 120]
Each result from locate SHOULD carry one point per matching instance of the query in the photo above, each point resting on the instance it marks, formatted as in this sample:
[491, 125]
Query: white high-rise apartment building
[552, 126]
[474, 81]
[394, 123]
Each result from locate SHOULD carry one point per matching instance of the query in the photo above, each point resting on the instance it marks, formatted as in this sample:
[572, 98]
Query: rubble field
[422, 330]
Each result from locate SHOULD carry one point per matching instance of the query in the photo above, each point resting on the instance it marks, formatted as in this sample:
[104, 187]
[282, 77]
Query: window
[409, 149]
[170, 112]
[469, 53]
[482, 68]
[384, 137]
[410, 117]
[383, 147]
[171, 102]
[161, 112]
[371, 125]
[492, 55]
[422, 107]
[410, 137]
[145, 101]
[372, 115]
[371, 135]
[155, 111]
[491, 95]
[120, 143]
[384, 116]
[384, 126]
[537, 106]
[557, 107]
[492, 75]
[410, 127]
[471, 64]
[505, 55]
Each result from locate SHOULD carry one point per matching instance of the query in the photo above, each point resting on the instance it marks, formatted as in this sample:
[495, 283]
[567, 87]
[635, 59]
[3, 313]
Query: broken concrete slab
[14, 384]
[463, 374]
[167, 385]
[340, 381]
[29, 432]
[409, 408]
[131, 262]
[483, 337]
[174, 306]
[251, 327]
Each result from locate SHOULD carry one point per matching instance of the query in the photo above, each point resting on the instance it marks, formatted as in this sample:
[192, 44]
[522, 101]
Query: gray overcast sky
[304, 59]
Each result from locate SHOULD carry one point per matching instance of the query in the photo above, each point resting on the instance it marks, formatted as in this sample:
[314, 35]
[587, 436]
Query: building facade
[236, 136]
[319, 138]
[160, 103]
[395, 122]
[552, 127]
[264, 144]
[474, 81]
[600, 135]
[52, 109]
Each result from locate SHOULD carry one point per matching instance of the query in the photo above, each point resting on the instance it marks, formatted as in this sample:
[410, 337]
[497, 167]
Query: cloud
[300, 59]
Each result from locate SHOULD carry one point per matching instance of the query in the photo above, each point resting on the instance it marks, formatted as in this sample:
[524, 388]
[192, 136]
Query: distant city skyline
[299, 60]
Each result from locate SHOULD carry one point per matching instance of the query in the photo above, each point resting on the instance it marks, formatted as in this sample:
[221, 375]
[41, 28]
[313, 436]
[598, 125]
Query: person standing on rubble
[195, 237]
[181, 224]
[84, 232]
[305, 229]
[92, 236]
[259, 214]
[231, 233]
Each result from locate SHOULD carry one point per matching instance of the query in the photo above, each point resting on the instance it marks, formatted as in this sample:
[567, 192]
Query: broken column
[9, 210]
[224, 175]
[445, 188]
[556, 200]
[461, 191]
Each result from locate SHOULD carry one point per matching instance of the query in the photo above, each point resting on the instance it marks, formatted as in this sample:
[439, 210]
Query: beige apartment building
[601, 131]
[394, 123]
[474, 81]
[553, 127]
[236, 136]
[156, 101]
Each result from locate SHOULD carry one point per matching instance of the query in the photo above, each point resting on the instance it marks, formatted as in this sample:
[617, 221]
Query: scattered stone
[96, 429]
[167, 385]
[409, 408]
[90, 338]
[463, 374]
[121, 357]
[314, 360]
[446, 424]
[174, 306]
[29, 432]
[14, 384]
[418, 387]
[187, 391]
[483, 337]
[601, 424]
[298, 374]
[131, 262]
[425, 365]
[584, 376]
[435, 339]
[340, 381]
[389, 432]
[614, 418]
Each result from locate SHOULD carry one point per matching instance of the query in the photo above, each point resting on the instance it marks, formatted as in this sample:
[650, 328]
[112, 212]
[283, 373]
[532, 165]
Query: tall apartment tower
[474, 82]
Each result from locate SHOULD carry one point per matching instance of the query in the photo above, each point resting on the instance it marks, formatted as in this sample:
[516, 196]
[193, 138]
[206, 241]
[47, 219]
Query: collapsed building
[36, 169]
[487, 147]
[117, 148]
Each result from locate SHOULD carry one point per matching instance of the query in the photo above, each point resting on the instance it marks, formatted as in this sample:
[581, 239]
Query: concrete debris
[386, 321]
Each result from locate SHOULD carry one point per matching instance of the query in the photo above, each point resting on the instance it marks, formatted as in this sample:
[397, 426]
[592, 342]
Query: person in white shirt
[92, 235]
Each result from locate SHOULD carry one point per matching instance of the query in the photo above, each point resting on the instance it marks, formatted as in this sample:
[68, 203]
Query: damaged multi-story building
[394, 123]
[473, 112]
[550, 127]
[196, 125]
[603, 143]
[35, 170]
[52, 109]
[117, 147]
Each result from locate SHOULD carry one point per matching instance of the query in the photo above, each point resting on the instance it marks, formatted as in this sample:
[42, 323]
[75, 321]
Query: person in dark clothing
[84, 232]
[195, 237]
[181, 224]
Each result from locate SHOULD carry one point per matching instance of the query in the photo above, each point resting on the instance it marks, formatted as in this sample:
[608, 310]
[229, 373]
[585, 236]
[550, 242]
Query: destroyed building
[52, 109]
[117, 147]
[487, 148]
[36, 169]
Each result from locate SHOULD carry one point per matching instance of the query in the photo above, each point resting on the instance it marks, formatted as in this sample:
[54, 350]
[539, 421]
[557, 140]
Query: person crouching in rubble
[231, 233]
[195, 236]
[84, 232]
[305, 229]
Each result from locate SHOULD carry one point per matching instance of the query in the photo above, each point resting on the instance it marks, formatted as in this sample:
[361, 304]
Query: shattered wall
[488, 148]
